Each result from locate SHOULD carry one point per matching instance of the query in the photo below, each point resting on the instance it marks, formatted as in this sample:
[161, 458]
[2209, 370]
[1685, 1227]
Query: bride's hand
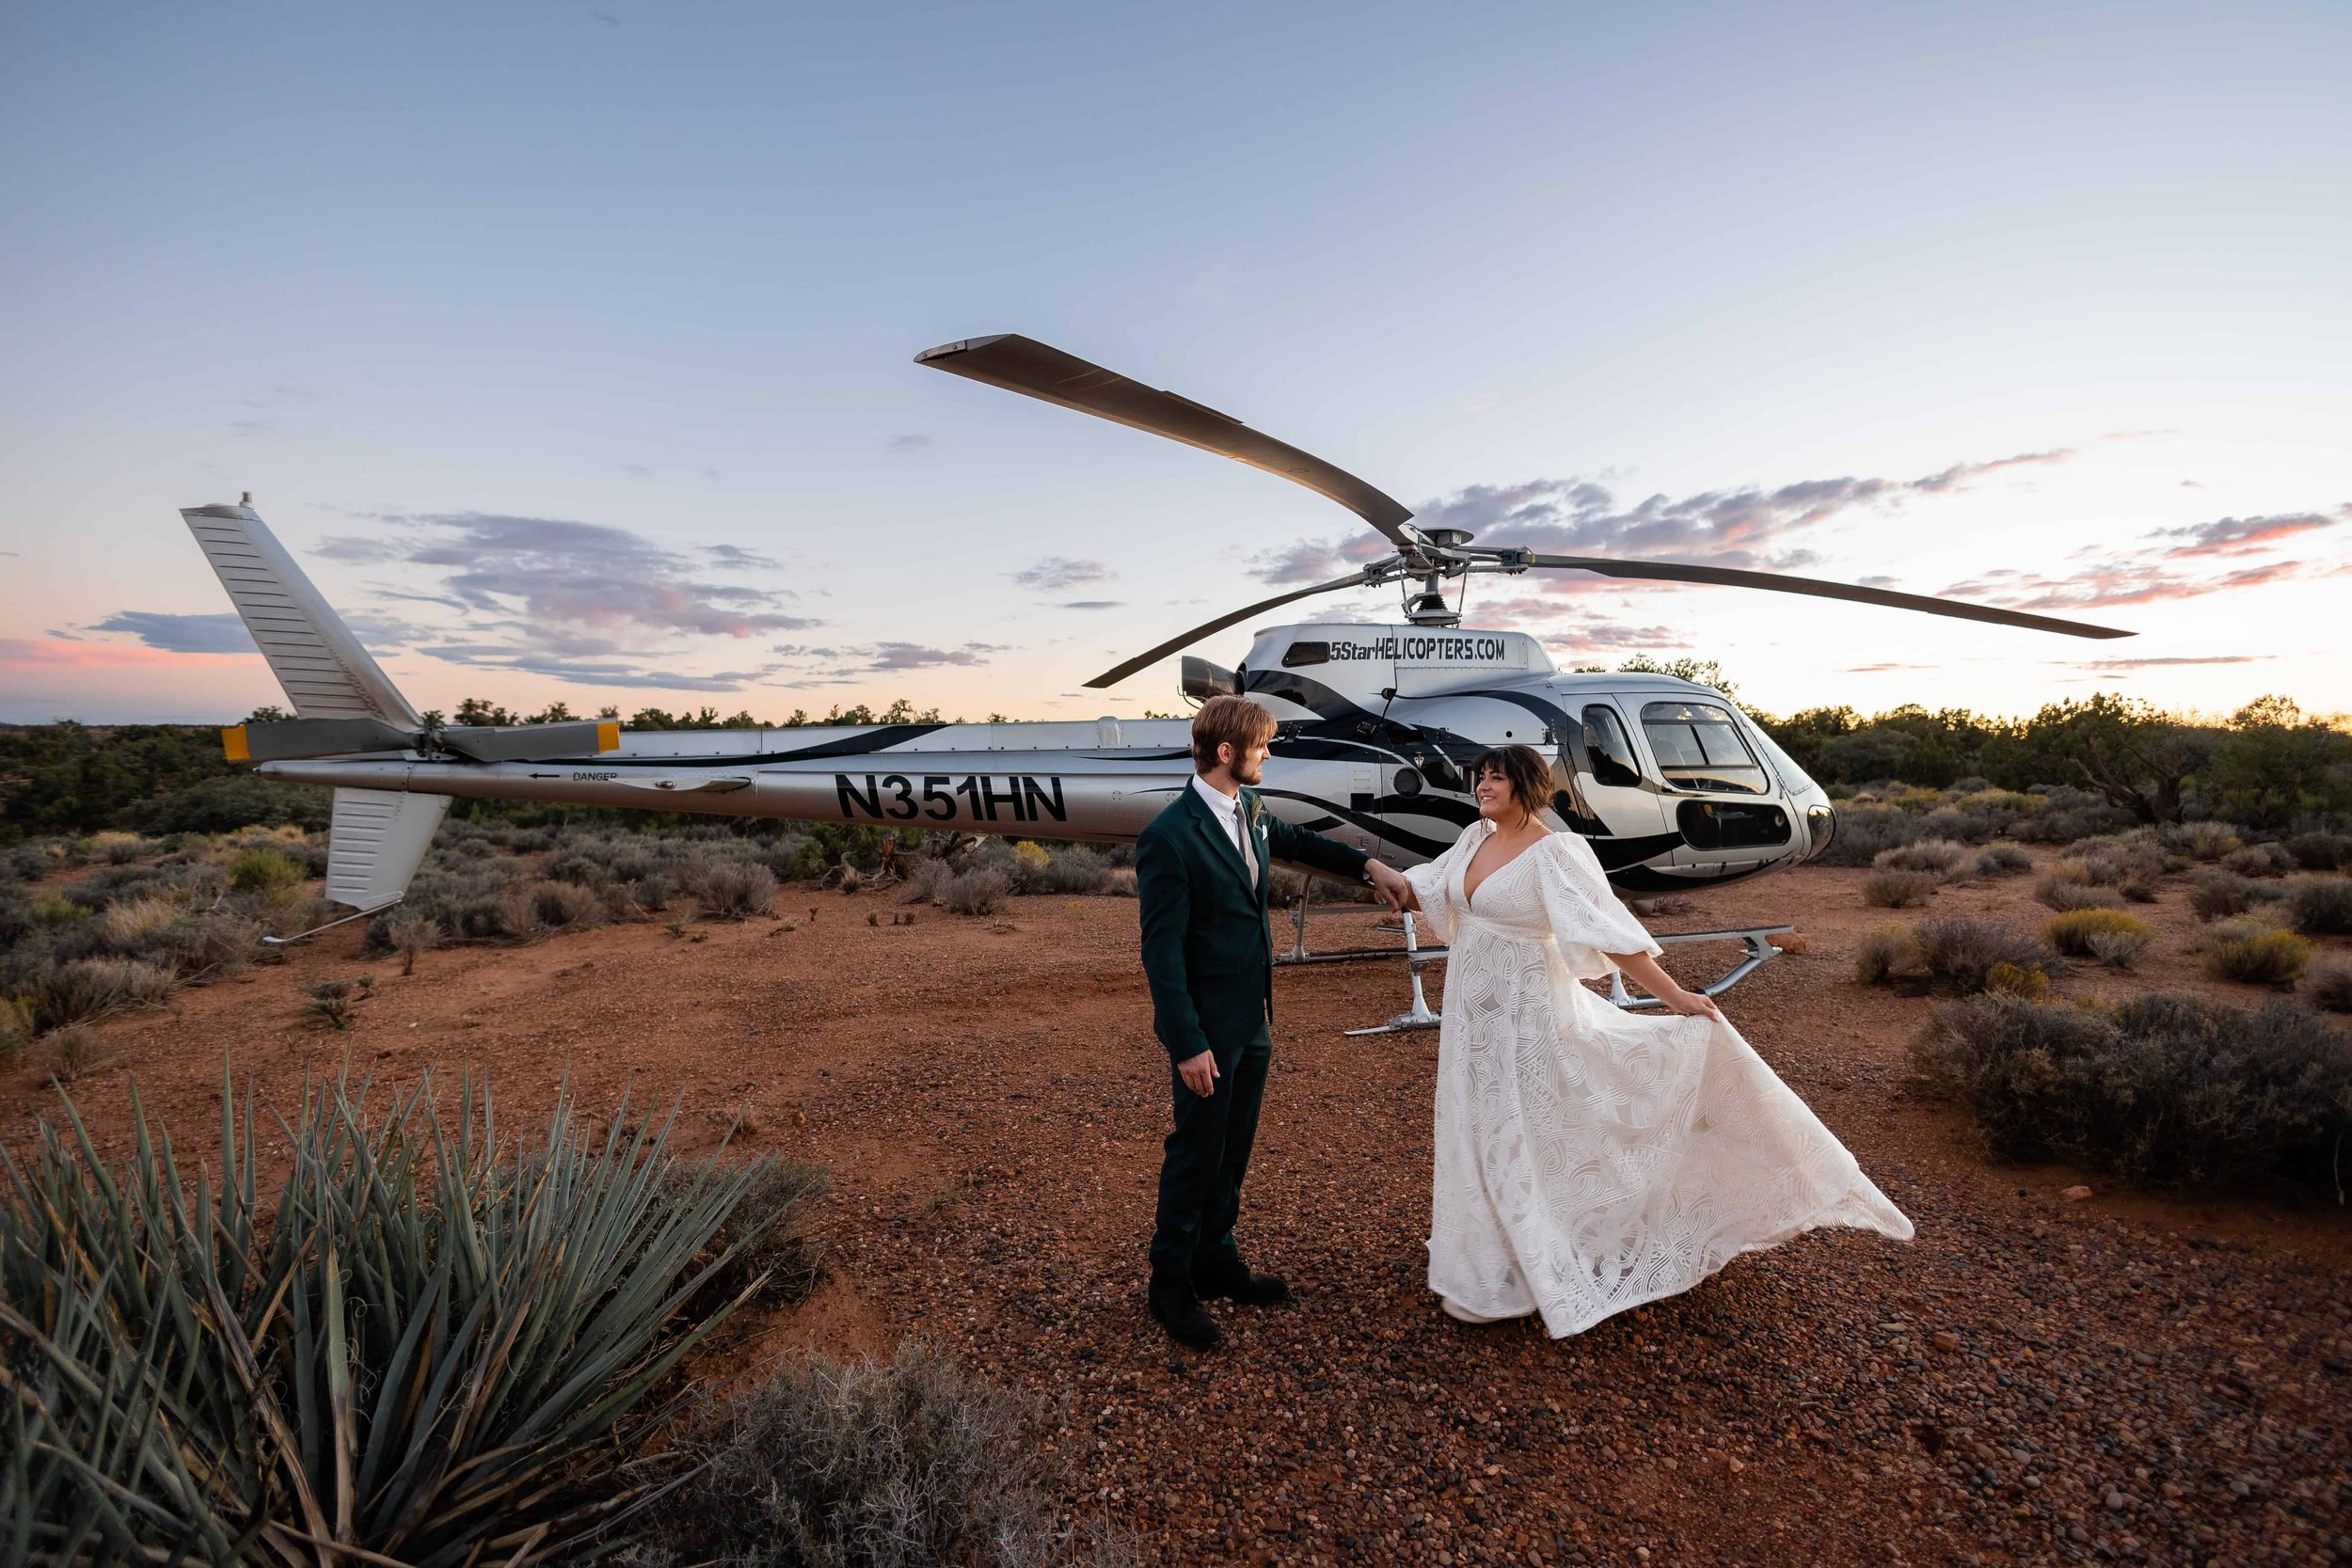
[1691, 1004]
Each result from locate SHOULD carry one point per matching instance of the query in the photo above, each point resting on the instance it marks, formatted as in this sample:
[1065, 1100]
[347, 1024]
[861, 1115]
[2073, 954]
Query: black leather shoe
[1241, 1287]
[1177, 1310]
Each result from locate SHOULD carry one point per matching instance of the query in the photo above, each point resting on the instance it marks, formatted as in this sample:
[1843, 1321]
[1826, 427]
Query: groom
[1201, 878]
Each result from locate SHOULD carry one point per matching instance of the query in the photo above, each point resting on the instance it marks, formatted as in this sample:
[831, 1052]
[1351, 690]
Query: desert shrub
[1960, 953]
[2320, 906]
[116, 848]
[2259, 859]
[2254, 954]
[410, 933]
[1891, 887]
[2060, 892]
[553, 1284]
[1072, 869]
[263, 871]
[84, 988]
[981, 889]
[2065, 813]
[2159, 1090]
[2003, 860]
[1863, 831]
[334, 1003]
[927, 883]
[130, 923]
[906, 1462]
[1887, 954]
[1286, 885]
[206, 946]
[55, 909]
[2320, 851]
[1119, 881]
[2030, 981]
[564, 905]
[2328, 983]
[65, 1054]
[2214, 895]
[1950, 862]
[2118, 949]
[1030, 860]
[729, 891]
[2072, 932]
[2206, 841]
[16, 1028]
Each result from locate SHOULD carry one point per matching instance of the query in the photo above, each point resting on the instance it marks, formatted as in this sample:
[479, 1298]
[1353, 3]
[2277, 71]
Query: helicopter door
[1605, 773]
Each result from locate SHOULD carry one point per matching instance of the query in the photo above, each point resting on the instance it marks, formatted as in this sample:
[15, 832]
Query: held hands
[1389, 884]
[1691, 1004]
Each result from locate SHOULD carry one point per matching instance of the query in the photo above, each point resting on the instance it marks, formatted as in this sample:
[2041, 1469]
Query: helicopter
[1671, 783]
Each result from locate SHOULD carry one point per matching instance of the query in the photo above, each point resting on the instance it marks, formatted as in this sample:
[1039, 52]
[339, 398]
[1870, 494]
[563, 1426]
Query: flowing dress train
[1588, 1159]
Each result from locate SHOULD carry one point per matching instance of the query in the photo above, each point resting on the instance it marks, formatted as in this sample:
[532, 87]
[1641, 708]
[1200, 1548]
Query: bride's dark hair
[1522, 767]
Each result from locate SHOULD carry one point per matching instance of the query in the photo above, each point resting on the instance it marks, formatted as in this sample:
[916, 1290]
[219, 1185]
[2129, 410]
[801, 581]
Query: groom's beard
[1247, 770]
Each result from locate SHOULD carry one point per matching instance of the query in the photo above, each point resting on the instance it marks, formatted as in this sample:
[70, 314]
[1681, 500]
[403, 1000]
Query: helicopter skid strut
[1757, 940]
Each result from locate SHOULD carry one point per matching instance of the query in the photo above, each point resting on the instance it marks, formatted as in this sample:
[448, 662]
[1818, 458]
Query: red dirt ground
[2033, 1379]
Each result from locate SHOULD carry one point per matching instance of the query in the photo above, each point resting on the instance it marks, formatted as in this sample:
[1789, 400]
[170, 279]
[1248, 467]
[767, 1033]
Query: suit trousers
[1206, 1156]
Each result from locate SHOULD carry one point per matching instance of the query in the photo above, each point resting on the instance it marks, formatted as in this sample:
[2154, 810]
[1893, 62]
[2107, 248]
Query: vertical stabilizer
[380, 837]
[326, 673]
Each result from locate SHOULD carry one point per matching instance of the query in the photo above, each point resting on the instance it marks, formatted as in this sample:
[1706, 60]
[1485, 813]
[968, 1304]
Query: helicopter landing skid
[1757, 940]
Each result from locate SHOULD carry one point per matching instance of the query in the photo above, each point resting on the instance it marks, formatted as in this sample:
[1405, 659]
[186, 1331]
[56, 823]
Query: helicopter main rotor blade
[1117, 673]
[1731, 577]
[1039, 370]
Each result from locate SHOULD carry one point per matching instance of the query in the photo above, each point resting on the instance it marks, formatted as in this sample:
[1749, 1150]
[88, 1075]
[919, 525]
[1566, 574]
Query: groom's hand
[1199, 1073]
[1389, 884]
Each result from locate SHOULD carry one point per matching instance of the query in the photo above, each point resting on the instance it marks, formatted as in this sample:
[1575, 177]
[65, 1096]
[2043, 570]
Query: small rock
[1943, 1338]
[2075, 1195]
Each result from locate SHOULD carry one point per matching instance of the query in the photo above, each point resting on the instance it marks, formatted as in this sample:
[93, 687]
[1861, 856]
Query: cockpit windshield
[1698, 747]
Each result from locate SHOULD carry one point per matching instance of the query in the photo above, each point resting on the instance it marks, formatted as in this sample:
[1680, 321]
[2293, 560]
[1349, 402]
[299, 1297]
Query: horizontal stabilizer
[525, 742]
[285, 739]
[378, 840]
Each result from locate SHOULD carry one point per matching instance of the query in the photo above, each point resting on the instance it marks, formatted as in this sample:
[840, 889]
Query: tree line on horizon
[2268, 765]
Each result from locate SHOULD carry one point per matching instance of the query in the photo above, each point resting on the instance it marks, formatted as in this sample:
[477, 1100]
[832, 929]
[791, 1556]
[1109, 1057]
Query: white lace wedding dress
[1588, 1159]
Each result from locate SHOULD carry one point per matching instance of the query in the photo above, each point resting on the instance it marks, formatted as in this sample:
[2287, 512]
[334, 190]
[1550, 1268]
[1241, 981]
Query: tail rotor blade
[1037, 370]
[1117, 672]
[1730, 577]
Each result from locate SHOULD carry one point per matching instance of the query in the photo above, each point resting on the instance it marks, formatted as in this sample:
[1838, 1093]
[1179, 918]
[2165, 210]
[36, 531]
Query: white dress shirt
[1226, 809]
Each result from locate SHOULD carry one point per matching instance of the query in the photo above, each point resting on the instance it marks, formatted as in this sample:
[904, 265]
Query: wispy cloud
[2245, 535]
[1745, 527]
[1058, 574]
[2120, 664]
[182, 634]
[1090, 604]
[913, 441]
[2166, 564]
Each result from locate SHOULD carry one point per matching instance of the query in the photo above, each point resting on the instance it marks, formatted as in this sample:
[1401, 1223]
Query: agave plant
[401, 1361]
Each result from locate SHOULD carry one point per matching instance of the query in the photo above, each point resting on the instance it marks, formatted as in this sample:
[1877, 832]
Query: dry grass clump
[1949, 860]
[2327, 984]
[2134, 863]
[2253, 952]
[926, 882]
[2003, 860]
[767, 1232]
[2118, 949]
[264, 870]
[734, 892]
[135, 920]
[2207, 840]
[334, 1003]
[2070, 933]
[906, 1462]
[16, 1028]
[2320, 851]
[410, 933]
[65, 1054]
[2159, 1090]
[84, 988]
[2259, 859]
[2063, 888]
[1958, 953]
[2215, 894]
[981, 889]
[1891, 887]
[2320, 906]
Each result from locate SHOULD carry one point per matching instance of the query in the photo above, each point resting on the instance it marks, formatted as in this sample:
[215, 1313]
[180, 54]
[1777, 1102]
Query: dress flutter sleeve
[1587, 918]
[1433, 884]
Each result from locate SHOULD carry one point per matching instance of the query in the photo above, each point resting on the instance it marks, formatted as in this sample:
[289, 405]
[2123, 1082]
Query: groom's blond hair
[1234, 721]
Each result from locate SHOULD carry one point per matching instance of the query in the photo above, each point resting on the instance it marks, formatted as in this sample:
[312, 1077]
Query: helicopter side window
[1607, 750]
[1698, 747]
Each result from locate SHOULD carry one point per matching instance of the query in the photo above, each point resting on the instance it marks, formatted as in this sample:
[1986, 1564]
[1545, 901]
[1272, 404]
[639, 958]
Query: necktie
[1248, 854]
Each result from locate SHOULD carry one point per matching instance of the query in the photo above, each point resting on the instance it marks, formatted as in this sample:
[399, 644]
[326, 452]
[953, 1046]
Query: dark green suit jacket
[1206, 950]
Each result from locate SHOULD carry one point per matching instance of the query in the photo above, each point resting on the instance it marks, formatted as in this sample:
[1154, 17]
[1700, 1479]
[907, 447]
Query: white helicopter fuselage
[1667, 780]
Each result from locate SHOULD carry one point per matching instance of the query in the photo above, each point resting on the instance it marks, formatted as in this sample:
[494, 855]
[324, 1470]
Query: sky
[570, 347]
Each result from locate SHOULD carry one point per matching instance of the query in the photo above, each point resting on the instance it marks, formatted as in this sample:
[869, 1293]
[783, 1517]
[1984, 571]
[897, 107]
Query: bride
[1588, 1159]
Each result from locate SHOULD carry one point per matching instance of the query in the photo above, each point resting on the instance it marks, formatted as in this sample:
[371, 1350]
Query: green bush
[910, 1462]
[2216, 894]
[2072, 932]
[2320, 851]
[1956, 954]
[2257, 957]
[263, 871]
[2003, 860]
[2160, 1090]
[409, 1348]
[2320, 906]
